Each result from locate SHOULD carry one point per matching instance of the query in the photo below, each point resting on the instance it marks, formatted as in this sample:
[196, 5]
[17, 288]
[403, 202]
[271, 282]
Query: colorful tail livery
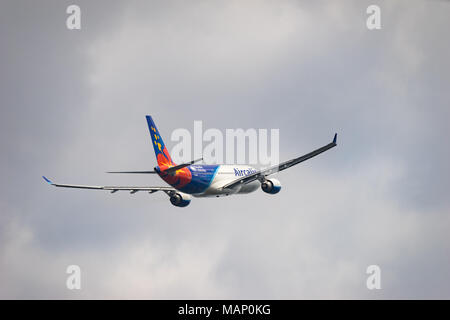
[199, 180]
[162, 155]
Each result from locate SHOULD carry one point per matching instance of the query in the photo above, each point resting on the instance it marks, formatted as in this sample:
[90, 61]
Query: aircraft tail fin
[161, 153]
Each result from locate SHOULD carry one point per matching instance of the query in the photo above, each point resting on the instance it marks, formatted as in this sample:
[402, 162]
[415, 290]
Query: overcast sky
[73, 106]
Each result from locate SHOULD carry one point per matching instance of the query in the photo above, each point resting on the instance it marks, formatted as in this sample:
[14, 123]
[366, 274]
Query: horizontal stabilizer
[168, 170]
[141, 172]
[181, 166]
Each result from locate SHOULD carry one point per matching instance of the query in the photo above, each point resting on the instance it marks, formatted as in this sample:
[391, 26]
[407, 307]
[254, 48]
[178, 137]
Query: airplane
[189, 179]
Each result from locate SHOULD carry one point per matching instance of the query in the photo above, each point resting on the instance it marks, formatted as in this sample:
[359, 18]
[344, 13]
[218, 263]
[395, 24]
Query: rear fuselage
[208, 180]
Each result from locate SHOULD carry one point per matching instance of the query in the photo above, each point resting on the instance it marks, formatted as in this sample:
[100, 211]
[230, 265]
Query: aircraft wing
[132, 189]
[260, 175]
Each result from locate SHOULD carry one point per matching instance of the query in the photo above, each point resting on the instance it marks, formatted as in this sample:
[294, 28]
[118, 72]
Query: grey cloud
[73, 106]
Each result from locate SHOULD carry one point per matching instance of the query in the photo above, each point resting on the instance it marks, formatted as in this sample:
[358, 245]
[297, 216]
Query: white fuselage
[226, 174]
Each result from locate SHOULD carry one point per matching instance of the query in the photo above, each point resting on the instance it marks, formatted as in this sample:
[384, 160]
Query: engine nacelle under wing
[271, 186]
[180, 199]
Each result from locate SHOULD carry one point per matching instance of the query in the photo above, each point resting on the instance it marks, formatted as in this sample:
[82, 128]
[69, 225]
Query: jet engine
[271, 186]
[180, 199]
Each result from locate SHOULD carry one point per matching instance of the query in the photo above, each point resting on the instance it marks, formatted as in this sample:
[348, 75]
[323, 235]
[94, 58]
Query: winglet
[335, 138]
[47, 180]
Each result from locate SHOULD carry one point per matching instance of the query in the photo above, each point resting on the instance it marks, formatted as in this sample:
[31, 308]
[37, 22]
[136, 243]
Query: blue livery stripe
[202, 177]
